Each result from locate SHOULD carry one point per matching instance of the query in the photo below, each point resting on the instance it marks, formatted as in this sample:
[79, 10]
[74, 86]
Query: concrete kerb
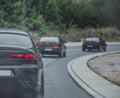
[77, 73]
[80, 43]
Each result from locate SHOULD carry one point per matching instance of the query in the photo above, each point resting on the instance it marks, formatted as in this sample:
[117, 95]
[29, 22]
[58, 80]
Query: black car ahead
[21, 67]
[94, 43]
[52, 45]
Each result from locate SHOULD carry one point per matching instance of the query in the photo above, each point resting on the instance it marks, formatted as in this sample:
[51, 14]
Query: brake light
[39, 44]
[24, 56]
[55, 44]
[84, 42]
[97, 43]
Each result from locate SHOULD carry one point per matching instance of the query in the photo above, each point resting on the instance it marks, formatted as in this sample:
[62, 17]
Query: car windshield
[49, 39]
[14, 40]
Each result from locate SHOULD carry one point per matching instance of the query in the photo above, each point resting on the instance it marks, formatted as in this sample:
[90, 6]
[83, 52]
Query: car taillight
[84, 42]
[97, 43]
[24, 56]
[39, 43]
[55, 44]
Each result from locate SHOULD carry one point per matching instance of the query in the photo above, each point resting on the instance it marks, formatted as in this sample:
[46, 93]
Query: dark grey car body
[94, 43]
[21, 68]
[52, 45]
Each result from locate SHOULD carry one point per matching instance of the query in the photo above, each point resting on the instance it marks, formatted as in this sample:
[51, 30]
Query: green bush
[76, 35]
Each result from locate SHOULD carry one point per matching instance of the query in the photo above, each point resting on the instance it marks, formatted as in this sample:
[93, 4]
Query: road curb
[79, 80]
[80, 43]
[81, 83]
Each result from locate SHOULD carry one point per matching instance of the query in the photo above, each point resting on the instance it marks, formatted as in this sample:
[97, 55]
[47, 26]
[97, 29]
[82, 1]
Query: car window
[49, 39]
[92, 39]
[15, 40]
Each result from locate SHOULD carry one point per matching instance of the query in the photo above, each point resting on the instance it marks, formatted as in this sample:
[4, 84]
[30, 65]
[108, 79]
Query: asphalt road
[58, 83]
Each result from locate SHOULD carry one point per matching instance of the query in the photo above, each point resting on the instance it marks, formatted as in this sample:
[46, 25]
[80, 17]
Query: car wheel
[61, 54]
[42, 55]
[42, 86]
[83, 49]
[64, 54]
[105, 49]
[99, 49]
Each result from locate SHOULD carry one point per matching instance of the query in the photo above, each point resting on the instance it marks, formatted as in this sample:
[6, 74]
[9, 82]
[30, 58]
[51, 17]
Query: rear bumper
[23, 80]
[53, 51]
[92, 47]
[15, 86]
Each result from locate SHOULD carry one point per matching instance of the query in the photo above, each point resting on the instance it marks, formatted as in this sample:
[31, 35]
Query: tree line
[38, 15]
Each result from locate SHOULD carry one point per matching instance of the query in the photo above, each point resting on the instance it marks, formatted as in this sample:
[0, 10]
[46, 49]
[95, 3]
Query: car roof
[13, 31]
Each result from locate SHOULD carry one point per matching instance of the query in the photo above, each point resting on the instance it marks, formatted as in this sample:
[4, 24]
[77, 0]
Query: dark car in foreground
[52, 46]
[94, 43]
[21, 67]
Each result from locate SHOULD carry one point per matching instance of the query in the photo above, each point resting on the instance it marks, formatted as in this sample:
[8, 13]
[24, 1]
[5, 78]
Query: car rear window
[15, 40]
[49, 39]
[92, 39]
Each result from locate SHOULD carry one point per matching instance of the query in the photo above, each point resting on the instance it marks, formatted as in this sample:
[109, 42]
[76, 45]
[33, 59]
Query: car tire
[105, 49]
[39, 93]
[64, 54]
[42, 55]
[99, 49]
[83, 49]
[61, 54]
[42, 86]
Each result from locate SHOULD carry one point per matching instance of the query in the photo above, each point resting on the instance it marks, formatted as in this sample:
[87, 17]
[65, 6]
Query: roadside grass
[98, 71]
[73, 34]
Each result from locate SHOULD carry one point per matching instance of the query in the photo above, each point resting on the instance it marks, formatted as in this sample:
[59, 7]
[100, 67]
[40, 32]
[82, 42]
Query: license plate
[89, 45]
[5, 72]
[47, 49]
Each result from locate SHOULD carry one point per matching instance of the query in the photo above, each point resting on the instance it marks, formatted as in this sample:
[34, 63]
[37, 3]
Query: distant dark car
[52, 46]
[94, 43]
[21, 67]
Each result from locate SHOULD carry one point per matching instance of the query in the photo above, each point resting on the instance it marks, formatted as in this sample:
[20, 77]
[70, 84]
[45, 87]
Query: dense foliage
[35, 13]
[45, 15]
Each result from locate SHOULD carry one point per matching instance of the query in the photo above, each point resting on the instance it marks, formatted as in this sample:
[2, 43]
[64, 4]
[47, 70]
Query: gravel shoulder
[107, 66]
